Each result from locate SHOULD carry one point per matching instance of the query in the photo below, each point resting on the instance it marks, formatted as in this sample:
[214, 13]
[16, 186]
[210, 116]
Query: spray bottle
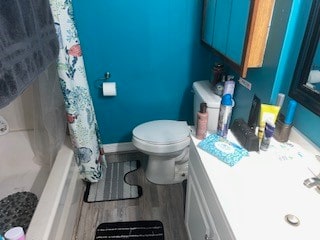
[225, 115]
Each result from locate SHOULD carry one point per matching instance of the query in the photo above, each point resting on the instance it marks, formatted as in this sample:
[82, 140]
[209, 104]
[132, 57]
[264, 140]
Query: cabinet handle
[206, 237]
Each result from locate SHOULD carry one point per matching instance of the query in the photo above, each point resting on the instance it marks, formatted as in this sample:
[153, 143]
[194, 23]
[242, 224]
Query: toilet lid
[162, 131]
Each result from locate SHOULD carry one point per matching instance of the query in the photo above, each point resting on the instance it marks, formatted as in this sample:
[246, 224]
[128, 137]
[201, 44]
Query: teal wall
[305, 121]
[285, 37]
[263, 79]
[152, 50]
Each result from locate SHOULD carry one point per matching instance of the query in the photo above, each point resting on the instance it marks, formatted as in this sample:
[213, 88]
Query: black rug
[113, 186]
[138, 230]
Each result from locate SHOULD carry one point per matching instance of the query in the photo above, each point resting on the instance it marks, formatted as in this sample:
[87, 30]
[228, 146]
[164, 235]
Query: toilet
[166, 142]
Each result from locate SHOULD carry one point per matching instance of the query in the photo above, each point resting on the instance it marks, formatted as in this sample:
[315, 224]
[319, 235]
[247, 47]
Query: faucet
[312, 182]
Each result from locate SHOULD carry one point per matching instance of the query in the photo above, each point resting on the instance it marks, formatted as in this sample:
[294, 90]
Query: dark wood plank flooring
[158, 202]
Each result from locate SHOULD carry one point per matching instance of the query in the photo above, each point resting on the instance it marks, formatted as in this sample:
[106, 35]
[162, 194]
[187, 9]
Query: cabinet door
[221, 25]
[208, 21]
[237, 29]
[198, 223]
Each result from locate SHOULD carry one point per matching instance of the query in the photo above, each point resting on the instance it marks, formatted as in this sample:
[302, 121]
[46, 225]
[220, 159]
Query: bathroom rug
[113, 186]
[151, 230]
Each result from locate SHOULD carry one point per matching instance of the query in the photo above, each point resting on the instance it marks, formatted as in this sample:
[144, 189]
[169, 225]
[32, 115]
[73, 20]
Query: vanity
[261, 197]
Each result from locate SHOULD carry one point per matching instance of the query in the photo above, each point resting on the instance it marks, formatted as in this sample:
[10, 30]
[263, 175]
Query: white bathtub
[59, 190]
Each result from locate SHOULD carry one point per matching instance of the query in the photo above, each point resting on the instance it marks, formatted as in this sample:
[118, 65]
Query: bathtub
[59, 191]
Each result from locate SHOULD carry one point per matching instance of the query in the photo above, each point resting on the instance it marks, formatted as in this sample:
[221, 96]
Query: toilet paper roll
[109, 89]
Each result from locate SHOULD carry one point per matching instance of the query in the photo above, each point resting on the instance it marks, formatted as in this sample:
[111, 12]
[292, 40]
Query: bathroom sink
[279, 202]
[263, 196]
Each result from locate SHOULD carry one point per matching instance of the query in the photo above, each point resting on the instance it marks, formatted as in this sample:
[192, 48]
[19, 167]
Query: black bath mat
[113, 185]
[138, 230]
[17, 210]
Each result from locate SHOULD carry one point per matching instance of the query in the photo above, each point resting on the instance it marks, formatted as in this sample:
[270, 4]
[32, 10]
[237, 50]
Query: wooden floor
[158, 202]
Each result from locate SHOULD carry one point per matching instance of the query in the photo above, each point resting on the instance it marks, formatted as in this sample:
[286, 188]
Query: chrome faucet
[312, 182]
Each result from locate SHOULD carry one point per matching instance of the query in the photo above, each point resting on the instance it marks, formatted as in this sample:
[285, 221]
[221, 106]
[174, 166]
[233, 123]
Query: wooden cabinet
[204, 217]
[237, 30]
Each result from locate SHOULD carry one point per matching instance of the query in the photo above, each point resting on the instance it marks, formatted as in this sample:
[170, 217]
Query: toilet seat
[161, 136]
[162, 132]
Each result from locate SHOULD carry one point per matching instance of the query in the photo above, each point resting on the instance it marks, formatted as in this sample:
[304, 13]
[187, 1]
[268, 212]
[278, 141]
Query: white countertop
[260, 190]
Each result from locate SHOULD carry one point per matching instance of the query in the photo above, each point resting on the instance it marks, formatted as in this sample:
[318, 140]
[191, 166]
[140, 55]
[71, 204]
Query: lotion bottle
[202, 121]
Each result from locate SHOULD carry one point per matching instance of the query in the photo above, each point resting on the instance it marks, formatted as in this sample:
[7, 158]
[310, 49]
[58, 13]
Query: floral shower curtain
[81, 118]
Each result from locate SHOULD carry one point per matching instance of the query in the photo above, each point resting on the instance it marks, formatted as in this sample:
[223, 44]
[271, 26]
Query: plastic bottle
[225, 115]
[268, 132]
[202, 122]
[229, 86]
[15, 233]
[217, 72]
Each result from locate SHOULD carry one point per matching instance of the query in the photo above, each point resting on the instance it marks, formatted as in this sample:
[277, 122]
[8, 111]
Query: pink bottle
[202, 122]
[15, 233]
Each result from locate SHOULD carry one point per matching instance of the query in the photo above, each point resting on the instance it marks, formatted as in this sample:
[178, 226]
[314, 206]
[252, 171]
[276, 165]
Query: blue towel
[28, 44]
[223, 149]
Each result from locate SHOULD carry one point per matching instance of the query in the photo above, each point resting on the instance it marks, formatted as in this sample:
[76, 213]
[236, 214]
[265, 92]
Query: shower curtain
[49, 120]
[81, 118]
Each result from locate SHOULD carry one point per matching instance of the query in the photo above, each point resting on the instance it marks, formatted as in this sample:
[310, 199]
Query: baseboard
[119, 147]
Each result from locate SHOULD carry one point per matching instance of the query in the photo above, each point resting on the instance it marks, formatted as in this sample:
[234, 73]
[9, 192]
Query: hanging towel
[28, 44]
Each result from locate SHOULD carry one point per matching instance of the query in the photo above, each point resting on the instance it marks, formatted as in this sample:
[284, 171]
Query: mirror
[305, 86]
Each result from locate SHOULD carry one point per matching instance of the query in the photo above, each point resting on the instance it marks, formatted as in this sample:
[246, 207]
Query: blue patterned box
[223, 149]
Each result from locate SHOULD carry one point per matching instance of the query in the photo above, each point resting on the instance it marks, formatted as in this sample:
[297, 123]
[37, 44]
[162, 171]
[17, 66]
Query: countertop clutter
[264, 191]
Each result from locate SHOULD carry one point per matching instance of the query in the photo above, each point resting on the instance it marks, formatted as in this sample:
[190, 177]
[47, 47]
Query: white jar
[15, 233]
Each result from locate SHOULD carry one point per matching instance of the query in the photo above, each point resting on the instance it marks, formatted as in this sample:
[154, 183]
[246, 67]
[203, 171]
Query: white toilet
[167, 141]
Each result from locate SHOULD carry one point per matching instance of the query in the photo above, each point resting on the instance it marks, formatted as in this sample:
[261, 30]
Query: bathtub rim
[44, 216]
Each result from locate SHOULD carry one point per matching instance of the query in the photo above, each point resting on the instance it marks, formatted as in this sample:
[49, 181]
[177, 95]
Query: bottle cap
[226, 100]
[203, 107]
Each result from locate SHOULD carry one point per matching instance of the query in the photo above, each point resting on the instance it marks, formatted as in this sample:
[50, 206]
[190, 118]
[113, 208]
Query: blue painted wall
[263, 79]
[306, 121]
[152, 50]
[286, 33]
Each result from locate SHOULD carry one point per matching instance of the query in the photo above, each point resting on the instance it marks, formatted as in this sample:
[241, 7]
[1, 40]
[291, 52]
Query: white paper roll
[109, 89]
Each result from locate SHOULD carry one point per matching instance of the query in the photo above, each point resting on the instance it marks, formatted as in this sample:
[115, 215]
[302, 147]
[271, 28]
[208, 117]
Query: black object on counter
[245, 135]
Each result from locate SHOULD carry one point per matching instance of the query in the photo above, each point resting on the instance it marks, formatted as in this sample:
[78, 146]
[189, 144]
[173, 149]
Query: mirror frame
[298, 91]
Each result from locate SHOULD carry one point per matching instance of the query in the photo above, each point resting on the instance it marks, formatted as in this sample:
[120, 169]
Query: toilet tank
[203, 93]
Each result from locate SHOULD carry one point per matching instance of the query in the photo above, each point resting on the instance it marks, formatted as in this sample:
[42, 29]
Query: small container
[268, 132]
[202, 122]
[225, 115]
[15, 233]
[282, 131]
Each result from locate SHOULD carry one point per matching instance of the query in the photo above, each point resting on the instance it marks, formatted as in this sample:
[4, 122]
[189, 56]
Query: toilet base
[164, 170]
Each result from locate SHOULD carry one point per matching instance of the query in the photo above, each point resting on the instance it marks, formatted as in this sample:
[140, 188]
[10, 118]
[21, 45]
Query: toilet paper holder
[100, 81]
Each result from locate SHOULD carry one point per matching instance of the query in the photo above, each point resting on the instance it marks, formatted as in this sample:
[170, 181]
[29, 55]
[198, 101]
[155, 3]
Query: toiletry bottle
[225, 115]
[268, 132]
[202, 122]
[229, 86]
[15, 233]
[217, 72]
